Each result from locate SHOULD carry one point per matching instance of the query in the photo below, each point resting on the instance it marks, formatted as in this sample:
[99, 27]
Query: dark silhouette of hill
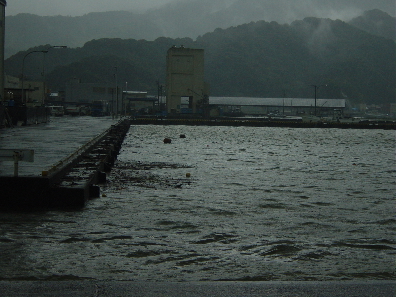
[259, 59]
[28, 30]
[176, 20]
[377, 23]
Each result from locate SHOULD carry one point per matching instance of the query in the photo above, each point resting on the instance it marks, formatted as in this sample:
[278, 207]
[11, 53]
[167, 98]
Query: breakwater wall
[70, 182]
[258, 122]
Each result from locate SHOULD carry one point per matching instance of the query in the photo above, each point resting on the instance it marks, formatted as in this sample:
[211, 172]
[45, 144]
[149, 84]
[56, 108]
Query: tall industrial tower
[3, 4]
[185, 78]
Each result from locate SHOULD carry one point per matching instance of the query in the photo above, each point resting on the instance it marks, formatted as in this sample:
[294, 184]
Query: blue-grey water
[259, 204]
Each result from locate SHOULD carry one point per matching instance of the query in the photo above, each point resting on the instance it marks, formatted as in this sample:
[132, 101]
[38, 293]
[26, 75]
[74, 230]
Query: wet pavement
[51, 142]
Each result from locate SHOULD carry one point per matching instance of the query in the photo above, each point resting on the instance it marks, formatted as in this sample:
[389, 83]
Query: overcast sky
[81, 7]
[77, 7]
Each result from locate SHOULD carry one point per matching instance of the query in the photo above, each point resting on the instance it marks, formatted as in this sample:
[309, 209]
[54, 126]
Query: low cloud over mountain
[179, 18]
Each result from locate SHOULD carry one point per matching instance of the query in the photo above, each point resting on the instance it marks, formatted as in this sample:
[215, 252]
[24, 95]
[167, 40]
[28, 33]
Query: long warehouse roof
[301, 102]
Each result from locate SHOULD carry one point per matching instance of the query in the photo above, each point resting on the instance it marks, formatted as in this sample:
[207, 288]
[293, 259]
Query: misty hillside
[177, 20]
[27, 30]
[259, 59]
[377, 23]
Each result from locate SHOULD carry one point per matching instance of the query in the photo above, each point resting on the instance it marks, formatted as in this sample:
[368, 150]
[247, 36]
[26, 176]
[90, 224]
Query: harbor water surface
[223, 203]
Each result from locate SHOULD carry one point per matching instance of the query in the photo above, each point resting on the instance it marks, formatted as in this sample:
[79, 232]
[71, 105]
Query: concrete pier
[261, 122]
[72, 181]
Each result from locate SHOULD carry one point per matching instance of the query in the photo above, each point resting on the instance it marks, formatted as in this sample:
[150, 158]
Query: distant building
[274, 106]
[35, 92]
[138, 102]
[24, 112]
[79, 93]
[185, 78]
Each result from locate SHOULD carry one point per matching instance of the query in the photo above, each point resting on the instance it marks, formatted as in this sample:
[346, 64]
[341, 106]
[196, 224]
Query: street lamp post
[125, 98]
[43, 72]
[116, 86]
[23, 71]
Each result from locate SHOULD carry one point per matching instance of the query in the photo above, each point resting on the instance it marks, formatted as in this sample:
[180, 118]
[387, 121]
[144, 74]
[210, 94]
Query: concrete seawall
[195, 289]
[262, 122]
[72, 181]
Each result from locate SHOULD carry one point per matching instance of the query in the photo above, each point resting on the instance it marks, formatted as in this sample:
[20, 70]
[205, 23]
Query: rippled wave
[224, 203]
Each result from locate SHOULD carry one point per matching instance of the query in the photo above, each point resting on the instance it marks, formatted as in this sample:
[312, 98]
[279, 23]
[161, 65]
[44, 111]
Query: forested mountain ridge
[28, 30]
[376, 22]
[181, 19]
[286, 59]
[259, 59]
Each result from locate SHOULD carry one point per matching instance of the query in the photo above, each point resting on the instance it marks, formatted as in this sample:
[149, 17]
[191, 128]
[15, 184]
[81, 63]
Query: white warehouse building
[265, 106]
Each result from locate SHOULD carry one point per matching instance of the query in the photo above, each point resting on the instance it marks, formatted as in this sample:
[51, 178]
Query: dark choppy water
[261, 204]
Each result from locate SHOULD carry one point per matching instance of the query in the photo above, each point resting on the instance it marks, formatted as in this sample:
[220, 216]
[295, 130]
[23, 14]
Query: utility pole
[158, 91]
[116, 91]
[125, 98]
[315, 87]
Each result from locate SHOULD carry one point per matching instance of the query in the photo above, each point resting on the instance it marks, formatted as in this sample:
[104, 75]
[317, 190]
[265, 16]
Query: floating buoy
[188, 175]
[182, 136]
[167, 140]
